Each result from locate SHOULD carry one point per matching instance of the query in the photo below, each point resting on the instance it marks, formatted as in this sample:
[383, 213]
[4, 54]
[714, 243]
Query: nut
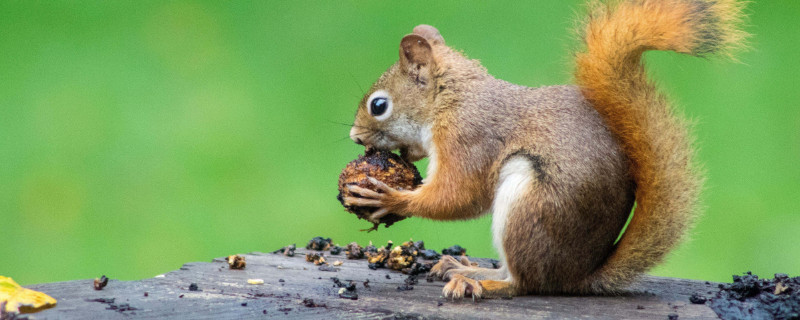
[384, 166]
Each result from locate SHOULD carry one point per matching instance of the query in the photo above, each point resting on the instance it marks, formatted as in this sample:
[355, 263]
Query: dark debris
[750, 297]
[100, 283]
[455, 250]
[121, 307]
[354, 251]
[287, 250]
[319, 244]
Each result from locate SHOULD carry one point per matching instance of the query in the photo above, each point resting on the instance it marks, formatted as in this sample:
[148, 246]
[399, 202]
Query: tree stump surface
[288, 281]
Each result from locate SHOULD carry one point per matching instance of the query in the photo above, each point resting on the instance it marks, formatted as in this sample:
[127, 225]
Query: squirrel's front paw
[383, 199]
[448, 263]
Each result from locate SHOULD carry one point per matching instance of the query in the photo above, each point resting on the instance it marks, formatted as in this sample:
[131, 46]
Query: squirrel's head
[396, 111]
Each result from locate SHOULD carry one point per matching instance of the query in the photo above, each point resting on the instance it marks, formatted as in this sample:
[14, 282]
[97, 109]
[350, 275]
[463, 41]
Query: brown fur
[589, 150]
[613, 79]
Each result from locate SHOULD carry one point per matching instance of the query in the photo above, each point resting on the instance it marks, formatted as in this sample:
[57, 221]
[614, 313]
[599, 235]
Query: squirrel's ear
[415, 51]
[429, 33]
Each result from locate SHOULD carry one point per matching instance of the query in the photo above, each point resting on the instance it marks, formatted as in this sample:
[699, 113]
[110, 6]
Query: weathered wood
[227, 295]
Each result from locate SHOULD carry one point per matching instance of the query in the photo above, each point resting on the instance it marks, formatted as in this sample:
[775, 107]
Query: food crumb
[377, 257]
[287, 250]
[100, 283]
[354, 251]
[255, 281]
[316, 258]
[236, 262]
[319, 244]
[455, 250]
[337, 263]
[346, 291]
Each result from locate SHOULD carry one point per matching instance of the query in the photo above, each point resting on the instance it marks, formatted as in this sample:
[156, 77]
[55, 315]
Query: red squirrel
[559, 167]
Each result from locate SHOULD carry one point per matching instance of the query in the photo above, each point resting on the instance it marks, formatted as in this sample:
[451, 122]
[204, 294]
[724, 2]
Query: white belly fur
[515, 178]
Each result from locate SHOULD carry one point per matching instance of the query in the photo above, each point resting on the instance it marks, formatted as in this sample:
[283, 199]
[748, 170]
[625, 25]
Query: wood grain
[225, 294]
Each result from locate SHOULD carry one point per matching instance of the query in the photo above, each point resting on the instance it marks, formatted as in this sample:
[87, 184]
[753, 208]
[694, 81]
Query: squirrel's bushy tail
[612, 77]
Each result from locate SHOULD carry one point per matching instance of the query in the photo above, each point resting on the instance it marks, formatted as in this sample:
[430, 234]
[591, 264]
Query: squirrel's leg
[513, 189]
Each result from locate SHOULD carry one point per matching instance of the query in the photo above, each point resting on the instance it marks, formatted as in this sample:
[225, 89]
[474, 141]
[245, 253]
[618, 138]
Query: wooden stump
[289, 283]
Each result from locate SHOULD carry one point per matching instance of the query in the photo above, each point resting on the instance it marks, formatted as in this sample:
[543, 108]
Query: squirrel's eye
[379, 105]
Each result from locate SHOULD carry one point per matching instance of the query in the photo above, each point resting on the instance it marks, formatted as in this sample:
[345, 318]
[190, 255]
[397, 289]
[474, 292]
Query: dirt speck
[308, 302]
[697, 298]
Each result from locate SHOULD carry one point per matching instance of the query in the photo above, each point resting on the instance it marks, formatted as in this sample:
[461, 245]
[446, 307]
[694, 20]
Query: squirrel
[559, 167]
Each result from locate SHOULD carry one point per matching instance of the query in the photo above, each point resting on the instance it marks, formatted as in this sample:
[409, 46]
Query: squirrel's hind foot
[462, 287]
[449, 266]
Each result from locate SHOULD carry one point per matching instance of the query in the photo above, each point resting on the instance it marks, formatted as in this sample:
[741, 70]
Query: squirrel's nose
[354, 136]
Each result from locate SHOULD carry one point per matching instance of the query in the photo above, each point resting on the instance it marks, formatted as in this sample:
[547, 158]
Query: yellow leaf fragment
[780, 288]
[16, 299]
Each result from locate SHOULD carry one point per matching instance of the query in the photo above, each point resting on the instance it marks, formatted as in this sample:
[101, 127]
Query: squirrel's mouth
[412, 154]
[405, 153]
[380, 140]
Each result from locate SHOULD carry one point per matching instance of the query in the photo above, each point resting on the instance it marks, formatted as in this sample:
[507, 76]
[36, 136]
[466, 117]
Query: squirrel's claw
[461, 286]
[362, 202]
[373, 198]
[381, 186]
[445, 264]
[378, 214]
[364, 192]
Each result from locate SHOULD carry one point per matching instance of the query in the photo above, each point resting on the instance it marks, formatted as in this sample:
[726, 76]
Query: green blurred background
[139, 135]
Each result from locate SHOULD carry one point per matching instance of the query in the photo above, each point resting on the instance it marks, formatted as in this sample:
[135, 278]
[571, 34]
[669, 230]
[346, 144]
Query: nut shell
[385, 166]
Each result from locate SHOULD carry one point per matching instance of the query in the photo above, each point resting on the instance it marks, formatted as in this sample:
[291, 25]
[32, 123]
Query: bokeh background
[139, 135]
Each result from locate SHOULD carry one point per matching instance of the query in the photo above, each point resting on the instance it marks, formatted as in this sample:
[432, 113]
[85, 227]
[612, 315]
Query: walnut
[384, 166]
